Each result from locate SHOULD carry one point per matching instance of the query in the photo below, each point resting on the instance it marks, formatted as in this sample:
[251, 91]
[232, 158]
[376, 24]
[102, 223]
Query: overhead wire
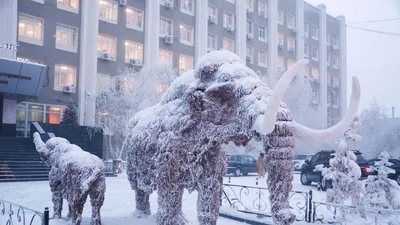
[376, 31]
[376, 69]
[375, 21]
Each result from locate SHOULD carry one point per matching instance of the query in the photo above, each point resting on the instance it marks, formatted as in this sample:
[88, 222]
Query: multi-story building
[83, 42]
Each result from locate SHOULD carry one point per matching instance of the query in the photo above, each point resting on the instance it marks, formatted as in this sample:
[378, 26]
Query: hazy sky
[368, 51]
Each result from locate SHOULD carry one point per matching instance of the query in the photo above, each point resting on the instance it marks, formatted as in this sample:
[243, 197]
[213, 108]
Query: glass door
[21, 120]
[35, 114]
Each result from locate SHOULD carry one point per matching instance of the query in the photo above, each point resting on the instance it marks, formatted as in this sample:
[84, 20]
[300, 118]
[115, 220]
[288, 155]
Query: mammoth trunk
[279, 157]
[39, 144]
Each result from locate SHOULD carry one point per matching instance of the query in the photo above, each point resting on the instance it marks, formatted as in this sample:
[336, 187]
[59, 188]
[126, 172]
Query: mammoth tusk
[39, 144]
[266, 123]
[304, 132]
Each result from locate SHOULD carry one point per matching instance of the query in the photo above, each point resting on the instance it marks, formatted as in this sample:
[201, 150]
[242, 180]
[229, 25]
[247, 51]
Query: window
[66, 38]
[305, 50]
[64, 75]
[262, 8]
[328, 78]
[249, 54]
[291, 44]
[162, 2]
[314, 73]
[328, 58]
[315, 96]
[212, 42]
[250, 4]
[228, 20]
[306, 30]
[53, 114]
[335, 81]
[307, 71]
[280, 38]
[133, 50]
[314, 32]
[290, 63]
[290, 21]
[335, 42]
[262, 33]
[335, 61]
[213, 12]
[249, 27]
[108, 10]
[165, 27]
[165, 57]
[314, 53]
[107, 43]
[329, 100]
[30, 29]
[134, 18]
[187, 6]
[281, 62]
[334, 100]
[328, 39]
[69, 5]
[280, 17]
[105, 82]
[228, 44]
[262, 58]
[185, 63]
[186, 34]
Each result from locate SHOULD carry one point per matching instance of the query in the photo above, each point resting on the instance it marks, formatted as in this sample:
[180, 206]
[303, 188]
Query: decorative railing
[254, 200]
[11, 214]
[330, 213]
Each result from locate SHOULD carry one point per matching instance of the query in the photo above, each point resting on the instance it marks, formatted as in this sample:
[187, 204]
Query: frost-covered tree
[382, 192]
[130, 92]
[70, 115]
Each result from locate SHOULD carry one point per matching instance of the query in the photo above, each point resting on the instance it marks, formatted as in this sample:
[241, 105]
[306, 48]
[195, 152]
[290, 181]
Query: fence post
[46, 216]
[309, 207]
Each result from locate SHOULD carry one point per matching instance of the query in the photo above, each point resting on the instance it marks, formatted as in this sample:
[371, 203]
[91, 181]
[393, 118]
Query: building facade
[84, 43]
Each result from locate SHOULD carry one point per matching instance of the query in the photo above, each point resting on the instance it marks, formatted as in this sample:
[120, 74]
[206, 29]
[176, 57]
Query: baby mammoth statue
[74, 174]
[176, 144]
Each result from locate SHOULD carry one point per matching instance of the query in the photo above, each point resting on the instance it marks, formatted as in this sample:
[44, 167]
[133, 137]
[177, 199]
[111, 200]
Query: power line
[376, 21]
[376, 31]
[376, 69]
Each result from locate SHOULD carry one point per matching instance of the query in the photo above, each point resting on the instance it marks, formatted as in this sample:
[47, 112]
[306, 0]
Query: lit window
[53, 114]
[187, 6]
[134, 18]
[249, 54]
[229, 20]
[105, 82]
[228, 44]
[328, 39]
[161, 88]
[262, 33]
[290, 21]
[305, 50]
[212, 42]
[262, 58]
[133, 50]
[314, 73]
[280, 17]
[107, 43]
[186, 34]
[314, 53]
[281, 62]
[291, 44]
[335, 61]
[30, 29]
[185, 63]
[64, 75]
[249, 27]
[315, 97]
[307, 71]
[290, 63]
[280, 38]
[213, 12]
[108, 10]
[306, 30]
[250, 4]
[262, 8]
[165, 27]
[335, 42]
[328, 78]
[66, 38]
[165, 57]
[69, 5]
[328, 58]
[314, 32]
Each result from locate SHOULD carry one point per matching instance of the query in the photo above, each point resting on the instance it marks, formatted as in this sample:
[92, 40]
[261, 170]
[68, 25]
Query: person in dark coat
[260, 165]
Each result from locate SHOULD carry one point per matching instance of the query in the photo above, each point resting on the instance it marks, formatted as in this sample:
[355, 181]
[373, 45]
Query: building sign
[21, 78]
[9, 46]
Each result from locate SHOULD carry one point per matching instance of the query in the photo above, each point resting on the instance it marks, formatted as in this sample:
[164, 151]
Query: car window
[251, 159]
[360, 159]
[314, 158]
[324, 158]
[300, 157]
[244, 159]
[231, 158]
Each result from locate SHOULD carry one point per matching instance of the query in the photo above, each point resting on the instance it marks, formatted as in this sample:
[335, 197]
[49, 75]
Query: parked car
[396, 167]
[299, 160]
[308, 175]
[240, 164]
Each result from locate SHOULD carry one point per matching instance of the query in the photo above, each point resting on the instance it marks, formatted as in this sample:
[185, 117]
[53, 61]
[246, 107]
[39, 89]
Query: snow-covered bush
[382, 192]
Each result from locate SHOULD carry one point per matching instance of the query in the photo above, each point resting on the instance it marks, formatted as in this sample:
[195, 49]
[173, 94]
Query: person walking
[260, 165]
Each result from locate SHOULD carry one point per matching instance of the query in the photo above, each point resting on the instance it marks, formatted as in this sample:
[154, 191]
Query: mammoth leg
[57, 198]
[170, 205]
[209, 199]
[142, 204]
[96, 194]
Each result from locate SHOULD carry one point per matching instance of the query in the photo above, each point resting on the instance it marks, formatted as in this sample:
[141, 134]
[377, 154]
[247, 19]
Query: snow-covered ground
[120, 200]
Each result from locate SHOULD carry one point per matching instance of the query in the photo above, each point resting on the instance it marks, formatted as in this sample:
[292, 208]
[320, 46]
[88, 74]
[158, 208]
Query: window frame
[134, 17]
[335, 62]
[313, 68]
[265, 33]
[230, 40]
[264, 9]
[115, 45]
[306, 52]
[105, 19]
[189, 33]
[316, 37]
[215, 42]
[171, 59]
[260, 62]
[139, 46]
[291, 43]
[248, 47]
[281, 17]
[306, 30]
[293, 25]
[316, 52]
[171, 25]
[110, 81]
[248, 22]
[60, 87]
[186, 11]
[225, 22]
[68, 48]
[30, 40]
[215, 10]
[181, 57]
[69, 8]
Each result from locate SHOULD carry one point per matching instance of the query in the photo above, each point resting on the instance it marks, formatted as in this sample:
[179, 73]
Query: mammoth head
[227, 93]
[45, 150]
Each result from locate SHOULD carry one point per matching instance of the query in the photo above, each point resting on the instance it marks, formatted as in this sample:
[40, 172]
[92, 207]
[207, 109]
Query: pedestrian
[260, 165]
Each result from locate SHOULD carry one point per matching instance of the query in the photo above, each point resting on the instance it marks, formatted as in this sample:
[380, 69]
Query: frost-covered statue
[80, 173]
[57, 191]
[380, 191]
[176, 144]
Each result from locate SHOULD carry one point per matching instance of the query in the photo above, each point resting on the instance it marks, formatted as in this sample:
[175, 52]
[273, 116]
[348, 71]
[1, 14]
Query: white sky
[367, 51]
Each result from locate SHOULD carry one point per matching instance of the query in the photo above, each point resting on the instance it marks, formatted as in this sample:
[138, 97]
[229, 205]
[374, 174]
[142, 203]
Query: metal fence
[11, 213]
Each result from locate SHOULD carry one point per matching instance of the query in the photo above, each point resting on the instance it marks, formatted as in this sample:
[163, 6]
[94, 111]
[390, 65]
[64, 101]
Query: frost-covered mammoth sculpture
[80, 173]
[176, 144]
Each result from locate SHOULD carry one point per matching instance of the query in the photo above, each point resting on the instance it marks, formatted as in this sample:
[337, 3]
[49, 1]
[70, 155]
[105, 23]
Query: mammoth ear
[195, 99]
